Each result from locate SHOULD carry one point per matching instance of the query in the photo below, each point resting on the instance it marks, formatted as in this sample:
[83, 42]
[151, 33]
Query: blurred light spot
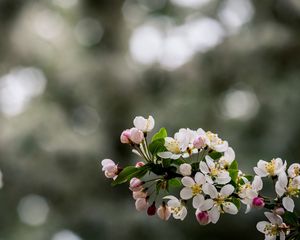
[235, 13]
[132, 12]
[66, 4]
[48, 24]
[203, 34]
[146, 44]
[88, 32]
[190, 3]
[33, 210]
[153, 4]
[175, 52]
[240, 104]
[65, 235]
[18, 87]
[85, 120]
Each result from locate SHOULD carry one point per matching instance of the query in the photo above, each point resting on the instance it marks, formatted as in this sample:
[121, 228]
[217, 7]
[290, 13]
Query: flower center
[270, 230]
[214, 172]
[173, 146]
[176, 210]
[196, 189]
[292, 190]
[297, 171]
[270, 167]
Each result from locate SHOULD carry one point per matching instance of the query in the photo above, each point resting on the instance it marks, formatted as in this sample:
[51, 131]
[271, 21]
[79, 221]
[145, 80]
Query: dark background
[74, 73]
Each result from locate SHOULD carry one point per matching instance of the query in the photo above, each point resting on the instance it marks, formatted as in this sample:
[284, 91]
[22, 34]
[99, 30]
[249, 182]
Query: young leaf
[174, 182]
[162, 133]
[233, 171]
[236, 202]
[234, 165]
[215, 155]
[157, 146]
[129, 172]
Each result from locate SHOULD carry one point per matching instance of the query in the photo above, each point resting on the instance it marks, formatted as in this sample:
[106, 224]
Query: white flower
[289, 188]
[216, 143]
[248, 192]
[185, 169]
[221, 201]
[273, 168]
[110, 168]
[294, 170]
[192, 188]
[209, 167]
[226, 160]
[178, 210]
[276, 227]
[145, 125]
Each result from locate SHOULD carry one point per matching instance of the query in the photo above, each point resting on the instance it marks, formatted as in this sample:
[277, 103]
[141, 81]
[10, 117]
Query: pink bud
[141, 204]
[139, 194]
[136, 135]
[258, 202]
[198, 142]
[139, 164]
[136, 185]
[164, 212]
[151, 210]
[125, 136]
[279, 211]
[202, 217]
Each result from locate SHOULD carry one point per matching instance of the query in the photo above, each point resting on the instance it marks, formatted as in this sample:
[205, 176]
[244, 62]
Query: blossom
[164, 212]
[151, 209]
[210, 168]
[141, 204]
[178, 210]
[273, 168]
[192, 188]
[258, 202]
[202, 207]
[216, 143]
[221, 201]
[185, 169]
[202, 217]
[276, 227]
[226, 160]
[110, 168]
[132, 135]
[143, 124]
[294, 170]
[125, 136]
[139, 194]
[249, 191]
[289, 188]
[136, 185]
[139, 164]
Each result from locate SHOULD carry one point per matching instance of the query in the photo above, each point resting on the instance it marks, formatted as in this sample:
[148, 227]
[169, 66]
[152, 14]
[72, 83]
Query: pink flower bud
[110, 168]
[136, 185]
[279, 211]
[139, 194]
[202, 217]
[139, 164]
[199, 142]
[151, 210]
[125, 136]
[141, 204]
[164, 212]
[258, 202]
[136, 135]
[185, 169]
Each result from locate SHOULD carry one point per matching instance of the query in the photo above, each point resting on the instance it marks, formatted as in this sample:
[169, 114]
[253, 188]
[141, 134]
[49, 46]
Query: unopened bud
[279, 211]
[199, 142]
[152, 209]
[258, 202]
[139, 164]
[136, 185]
[185, 169]
[141, 204]
[202, 217]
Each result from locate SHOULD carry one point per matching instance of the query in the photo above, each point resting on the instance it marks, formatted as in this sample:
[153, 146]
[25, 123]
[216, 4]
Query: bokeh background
[74, 73]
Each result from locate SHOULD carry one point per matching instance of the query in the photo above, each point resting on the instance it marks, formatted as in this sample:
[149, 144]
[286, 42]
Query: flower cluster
[203, 168]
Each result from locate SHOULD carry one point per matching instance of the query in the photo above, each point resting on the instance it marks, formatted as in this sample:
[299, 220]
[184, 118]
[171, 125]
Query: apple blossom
[136, 135]
[202, 217]
[273, 229]
[178, 210]
[139, 194]
[141, 204]
[258, 202]
[273, 168]
[136, 185]
[216, 143]
[145, 125]
[110, 168]
[185, 169]
[139, 164]
[294, 170]
[151, 209]
[164, 212]
[226, 160]
[125, 136]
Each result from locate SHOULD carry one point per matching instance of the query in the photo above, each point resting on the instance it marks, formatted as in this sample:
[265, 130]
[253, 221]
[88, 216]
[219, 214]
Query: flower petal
[187, 181]
[227, 190]
[214, 214]
[207, 204]
[210, 190]
[186, 193]
[288, 204]
[230, 208]
[198, 201]
[203, 167]
[261, 226]
[200, 178]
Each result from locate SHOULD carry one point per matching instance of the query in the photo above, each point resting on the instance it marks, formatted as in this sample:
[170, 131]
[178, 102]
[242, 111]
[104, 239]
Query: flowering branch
[204, 167]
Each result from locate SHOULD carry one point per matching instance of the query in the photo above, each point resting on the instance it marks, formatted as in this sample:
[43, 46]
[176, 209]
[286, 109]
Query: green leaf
[157, 146]
[249, 177]
[234, 165]
[233, 171]
[215, 155]
[174, 182]
[177, 162]
[129, 172]
[162, 133]
[158, 186]
[236, 202]
[290, 218]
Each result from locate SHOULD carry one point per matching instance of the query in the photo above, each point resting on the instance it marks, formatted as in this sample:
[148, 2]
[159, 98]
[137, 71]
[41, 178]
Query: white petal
[282, 235]
[260, 172]
[262, 164]
[165, 154]
[282, 179]
[187, 181]
[210, 190]
[279, 189]
[186, 193]
[222, 147]
[203, 167]
[105, 162]
[200, 178]
[288, 204]
[275, 219]
[214, 214]
[223, 180]
[140, 123]
[198, 201]
[207, 204]
[183, 213]
[248, 208]
[229, 154]
[230, 208]
[261, 226]
[227, 190]
[257, 183]
[210, 162]
[175, 156]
